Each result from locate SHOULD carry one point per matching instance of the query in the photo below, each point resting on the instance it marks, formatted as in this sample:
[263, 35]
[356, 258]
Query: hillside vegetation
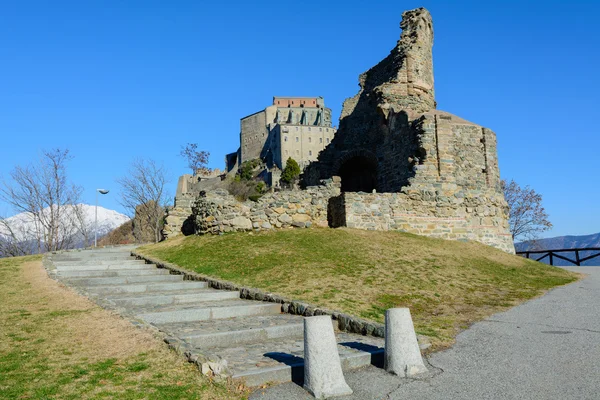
[447, 285]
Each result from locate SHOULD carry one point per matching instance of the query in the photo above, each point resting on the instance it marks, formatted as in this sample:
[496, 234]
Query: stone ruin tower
[403, 164]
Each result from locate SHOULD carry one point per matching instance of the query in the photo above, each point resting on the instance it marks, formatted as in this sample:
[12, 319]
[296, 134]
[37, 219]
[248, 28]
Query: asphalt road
[547, 348]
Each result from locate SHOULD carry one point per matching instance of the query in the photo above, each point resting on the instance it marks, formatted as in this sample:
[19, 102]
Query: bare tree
[197, 160]
[43, 193]
[12, 240]
[83, 226]
[527, 217]
[143, 193]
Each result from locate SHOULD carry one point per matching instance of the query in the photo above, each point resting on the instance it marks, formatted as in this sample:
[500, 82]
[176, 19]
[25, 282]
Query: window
[320, 129]
[320, 140]
[309, 128]
[297, 151]
[327, 140]
[309, 140]
[287, 152]
[296, 128]
[285, 139]
[310, 152]
[327, 129]
[297, 139]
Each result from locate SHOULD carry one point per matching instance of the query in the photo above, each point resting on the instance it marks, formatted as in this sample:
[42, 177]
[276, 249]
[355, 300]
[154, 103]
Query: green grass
[56, 345]
[447, 284]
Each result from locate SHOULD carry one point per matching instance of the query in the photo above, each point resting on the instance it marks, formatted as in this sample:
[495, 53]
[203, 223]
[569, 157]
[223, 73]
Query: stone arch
[358, 170]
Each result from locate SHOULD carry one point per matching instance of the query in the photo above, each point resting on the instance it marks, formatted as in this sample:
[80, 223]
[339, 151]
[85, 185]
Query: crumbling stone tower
[442, 170]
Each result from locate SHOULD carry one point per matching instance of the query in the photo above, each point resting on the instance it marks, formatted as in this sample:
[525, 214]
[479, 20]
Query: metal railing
[552, 254]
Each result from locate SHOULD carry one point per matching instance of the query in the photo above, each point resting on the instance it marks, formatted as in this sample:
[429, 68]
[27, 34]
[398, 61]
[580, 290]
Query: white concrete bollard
[323, 375]
[402, 353]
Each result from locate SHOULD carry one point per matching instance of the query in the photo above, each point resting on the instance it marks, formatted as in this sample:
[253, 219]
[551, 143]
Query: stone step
[146, 288]
[61, 268]
[171, 299]
[122, 261]
[107, 273]
[235, 331]
[244, 336]
[210, 311]
[281, 360]
[123, 280]
[97, 256]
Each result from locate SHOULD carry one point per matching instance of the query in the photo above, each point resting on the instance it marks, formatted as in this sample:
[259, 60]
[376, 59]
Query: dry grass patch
[447, 284]
[57, 344]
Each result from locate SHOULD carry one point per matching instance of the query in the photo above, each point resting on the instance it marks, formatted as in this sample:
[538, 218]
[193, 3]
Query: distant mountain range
[79, 225]
[564, 242]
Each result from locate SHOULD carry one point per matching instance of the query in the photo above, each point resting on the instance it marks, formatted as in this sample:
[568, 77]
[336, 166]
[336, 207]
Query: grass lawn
[55, 344]
[447, 285]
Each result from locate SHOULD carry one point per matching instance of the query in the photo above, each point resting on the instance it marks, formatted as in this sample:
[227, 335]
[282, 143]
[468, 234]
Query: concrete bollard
[323, 375]
[402, 353]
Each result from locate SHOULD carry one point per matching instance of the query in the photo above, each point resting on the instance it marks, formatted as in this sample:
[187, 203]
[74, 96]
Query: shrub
[291, 172]
[247, 168]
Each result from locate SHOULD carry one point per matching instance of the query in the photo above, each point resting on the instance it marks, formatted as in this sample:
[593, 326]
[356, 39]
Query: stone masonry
[439, 173]
[397, 163]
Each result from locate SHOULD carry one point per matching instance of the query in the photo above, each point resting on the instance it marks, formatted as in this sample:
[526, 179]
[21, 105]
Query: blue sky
[114, 80]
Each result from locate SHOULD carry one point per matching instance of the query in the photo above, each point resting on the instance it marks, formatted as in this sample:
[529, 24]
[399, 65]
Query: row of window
[287, 153]
[320, 129]
[285, 139]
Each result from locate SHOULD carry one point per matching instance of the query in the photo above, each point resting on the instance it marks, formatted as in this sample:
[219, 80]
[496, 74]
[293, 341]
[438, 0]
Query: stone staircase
[246, 339]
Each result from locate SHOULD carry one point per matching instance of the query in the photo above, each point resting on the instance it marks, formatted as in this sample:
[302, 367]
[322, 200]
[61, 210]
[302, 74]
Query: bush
[244, 190]
[247, 168]
[291, 172]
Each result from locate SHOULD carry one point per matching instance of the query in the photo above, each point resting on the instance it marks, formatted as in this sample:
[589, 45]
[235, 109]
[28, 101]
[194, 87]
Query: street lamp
[101, 191]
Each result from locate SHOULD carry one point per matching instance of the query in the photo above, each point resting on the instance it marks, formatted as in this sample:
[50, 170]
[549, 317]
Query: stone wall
[480, 218]
[216, 212]
[253, 135]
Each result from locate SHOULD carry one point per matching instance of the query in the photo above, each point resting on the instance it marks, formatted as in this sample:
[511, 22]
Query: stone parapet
[480, 218]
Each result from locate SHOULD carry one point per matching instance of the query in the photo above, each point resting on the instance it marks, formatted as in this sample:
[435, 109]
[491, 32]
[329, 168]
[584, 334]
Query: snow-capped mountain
[76, 225]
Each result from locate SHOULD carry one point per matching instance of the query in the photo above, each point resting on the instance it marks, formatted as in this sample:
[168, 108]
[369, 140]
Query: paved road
[548, 348]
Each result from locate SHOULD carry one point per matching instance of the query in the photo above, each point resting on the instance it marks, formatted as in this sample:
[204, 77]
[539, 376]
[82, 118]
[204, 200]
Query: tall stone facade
[296, 127]
[442, 169]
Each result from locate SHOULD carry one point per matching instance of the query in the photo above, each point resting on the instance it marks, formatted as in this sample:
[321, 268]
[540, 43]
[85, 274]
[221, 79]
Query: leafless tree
[527, 217]
[143, 193]
[43, 193]
[83, 226]
[12, 243]
[197, 160]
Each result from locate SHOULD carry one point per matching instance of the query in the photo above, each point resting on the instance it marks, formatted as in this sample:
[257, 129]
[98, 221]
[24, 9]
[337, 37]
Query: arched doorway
[359, 174]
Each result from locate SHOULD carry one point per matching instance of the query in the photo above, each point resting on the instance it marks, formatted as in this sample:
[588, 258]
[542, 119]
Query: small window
[297, 151]
[320, 129]
[296, 128]
[310, 152]
[309, 140]
[326, 129]
[297, 139]
[327, 140]
[320, 140]
[285, 139]
[287, 152]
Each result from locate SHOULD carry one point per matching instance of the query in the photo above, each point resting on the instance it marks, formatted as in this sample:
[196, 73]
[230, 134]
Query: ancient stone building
[439, 173]
[297, 127]
[396, 162]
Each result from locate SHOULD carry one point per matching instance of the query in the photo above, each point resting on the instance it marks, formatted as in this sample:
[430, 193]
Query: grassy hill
[447, 285]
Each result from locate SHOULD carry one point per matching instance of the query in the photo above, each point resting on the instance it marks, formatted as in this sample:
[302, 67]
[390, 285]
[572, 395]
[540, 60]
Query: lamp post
[101, 191]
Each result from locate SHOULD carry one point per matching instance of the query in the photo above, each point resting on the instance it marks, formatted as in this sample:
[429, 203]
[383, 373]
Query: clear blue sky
[116, 80]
